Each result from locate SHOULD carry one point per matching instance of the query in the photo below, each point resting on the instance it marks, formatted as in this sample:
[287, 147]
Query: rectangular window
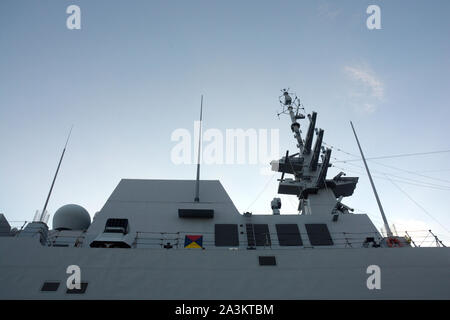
[226, 235]
[258, 235]
[288, 235]
[319, 235]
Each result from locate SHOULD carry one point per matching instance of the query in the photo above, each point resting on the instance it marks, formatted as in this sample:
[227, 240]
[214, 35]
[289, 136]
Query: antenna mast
[54, 178]
[295, 127]
[386, 225]
[197, 182]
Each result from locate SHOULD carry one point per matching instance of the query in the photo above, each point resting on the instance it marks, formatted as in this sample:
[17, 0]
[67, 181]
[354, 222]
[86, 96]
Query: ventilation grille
[267, 261]
[117, 225]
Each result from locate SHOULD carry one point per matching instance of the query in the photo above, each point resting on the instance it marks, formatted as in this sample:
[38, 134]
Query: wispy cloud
[368, 90]
[327, 11]
[368, 78]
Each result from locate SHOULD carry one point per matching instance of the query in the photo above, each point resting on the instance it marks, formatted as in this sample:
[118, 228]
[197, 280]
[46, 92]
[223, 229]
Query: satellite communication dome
[71, 217]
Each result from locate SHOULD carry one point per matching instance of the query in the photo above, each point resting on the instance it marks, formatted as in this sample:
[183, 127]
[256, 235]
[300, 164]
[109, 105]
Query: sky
[133, 74]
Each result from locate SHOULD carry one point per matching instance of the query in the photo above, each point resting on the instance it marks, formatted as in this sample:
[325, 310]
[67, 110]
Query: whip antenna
[54, 178]
[197, 182]
[386, 225]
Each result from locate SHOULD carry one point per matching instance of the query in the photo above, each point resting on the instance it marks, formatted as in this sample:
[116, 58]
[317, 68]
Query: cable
[400, 181]
[411, 172]
[400, 177]
[265, 186]
[438, 170]
[399, 155]
[384, 165]
[417, 204]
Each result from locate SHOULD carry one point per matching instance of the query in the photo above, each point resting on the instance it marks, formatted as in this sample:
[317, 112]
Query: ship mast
[317, 194]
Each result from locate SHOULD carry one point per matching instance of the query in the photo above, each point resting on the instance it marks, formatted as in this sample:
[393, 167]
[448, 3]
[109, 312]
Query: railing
[170, 240]
[19, 225]
[175, 240]
[167, 240]
[57, 240]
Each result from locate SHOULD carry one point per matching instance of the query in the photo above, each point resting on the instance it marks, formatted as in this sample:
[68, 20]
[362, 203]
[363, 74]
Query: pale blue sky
[135, 71]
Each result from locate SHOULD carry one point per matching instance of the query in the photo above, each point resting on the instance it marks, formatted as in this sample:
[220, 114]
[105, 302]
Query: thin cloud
[369, 107]
[367, 78]
[368, 91]
[325, 10]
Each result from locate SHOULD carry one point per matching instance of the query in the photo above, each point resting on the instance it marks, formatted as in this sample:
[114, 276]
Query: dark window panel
[258, 235]
[262, 235]
[250, 235]
[319, 235]
[288, 235]
[226, 235]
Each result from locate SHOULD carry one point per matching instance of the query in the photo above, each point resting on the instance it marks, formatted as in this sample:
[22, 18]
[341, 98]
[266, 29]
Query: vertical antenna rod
[197, 182]
[54, 178]
[386, 225]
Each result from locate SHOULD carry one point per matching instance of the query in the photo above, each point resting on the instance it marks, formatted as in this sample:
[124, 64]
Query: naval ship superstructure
[159, 239]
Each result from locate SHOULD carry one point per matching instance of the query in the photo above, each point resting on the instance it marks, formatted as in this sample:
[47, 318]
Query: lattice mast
[310, 184]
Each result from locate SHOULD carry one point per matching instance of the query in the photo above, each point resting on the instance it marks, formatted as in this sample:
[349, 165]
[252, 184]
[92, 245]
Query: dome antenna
[43, 213]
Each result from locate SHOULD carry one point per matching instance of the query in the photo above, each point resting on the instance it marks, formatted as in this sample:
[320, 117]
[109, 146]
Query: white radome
[71, 217]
